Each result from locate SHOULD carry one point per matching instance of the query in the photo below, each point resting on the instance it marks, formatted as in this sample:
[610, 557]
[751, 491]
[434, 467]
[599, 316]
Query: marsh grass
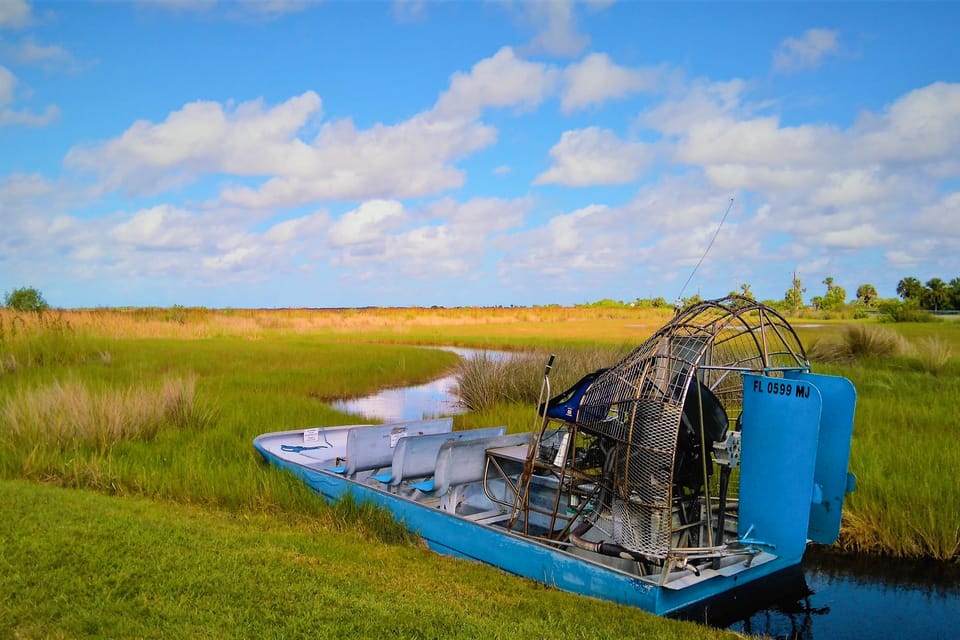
[905, 452]
[29, 340]
[858, 342]
[232, 547]
[66, 414]
[868, 341]
[175, 419]
[934, 354]
[484, 381]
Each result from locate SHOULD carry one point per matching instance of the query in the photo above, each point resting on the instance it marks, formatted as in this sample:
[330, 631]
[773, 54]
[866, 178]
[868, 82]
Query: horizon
[304, 155]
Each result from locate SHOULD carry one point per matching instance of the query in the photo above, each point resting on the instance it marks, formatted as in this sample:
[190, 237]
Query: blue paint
[839, 400]
[778, 457]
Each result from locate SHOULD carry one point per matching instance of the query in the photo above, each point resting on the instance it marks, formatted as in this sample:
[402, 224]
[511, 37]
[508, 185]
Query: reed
[907, 502]
[66, 414]
[484, 381]
[867, 341]
[934, 354]
[858, 342]
[30, 340]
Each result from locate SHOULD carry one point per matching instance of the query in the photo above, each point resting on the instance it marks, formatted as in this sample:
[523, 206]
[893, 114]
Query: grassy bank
[77, 564]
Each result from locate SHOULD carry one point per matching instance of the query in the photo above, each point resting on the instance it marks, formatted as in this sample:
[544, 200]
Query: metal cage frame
[639, 404]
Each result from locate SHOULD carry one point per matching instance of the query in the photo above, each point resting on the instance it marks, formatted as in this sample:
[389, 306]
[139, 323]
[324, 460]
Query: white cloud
[692, 103]
[307, 227]
[202, 138]
[406, 11]
[805, 52]
[558, 32]
[8, 82]
[595, 156]
[480, 216]
[237, 260]
[503, 80]
[744, 176]
[262, 9]
[940, 219]
[596, 79]
[14, 14]
[589, 242]
[453, 243]
[854, 186]
[757, 141]
[160, 227]
[369, 222]
[19, 186]
[412, 158]
[825, 187]
[921, 125]
[862, 236]
[11, 117]
[49, 57]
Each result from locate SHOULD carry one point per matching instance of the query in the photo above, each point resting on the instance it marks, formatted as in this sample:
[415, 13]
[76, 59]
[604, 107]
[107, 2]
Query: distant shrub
[25, 299]
[907, 311]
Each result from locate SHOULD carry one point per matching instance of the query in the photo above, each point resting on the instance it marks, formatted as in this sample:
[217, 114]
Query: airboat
[704, 461]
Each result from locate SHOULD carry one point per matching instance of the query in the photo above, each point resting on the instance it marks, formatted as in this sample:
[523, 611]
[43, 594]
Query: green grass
[242, 388]
[905, 454]
[207, 552]
[77, 564]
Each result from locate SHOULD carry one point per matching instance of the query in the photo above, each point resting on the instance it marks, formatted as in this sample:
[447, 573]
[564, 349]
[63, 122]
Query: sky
[286, 153]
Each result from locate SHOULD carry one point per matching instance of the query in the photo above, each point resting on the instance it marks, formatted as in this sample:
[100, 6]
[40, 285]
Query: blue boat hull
[453, 535]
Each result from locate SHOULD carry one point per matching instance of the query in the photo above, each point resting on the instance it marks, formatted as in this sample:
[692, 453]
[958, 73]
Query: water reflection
[418, 402]
[840, 597]
[407, 403]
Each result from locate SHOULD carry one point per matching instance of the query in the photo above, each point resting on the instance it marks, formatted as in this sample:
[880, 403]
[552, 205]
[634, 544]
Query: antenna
[699, 262]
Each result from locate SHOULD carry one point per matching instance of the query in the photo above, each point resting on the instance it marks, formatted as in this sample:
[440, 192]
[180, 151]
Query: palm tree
[935, 296]
[909, 288]
[866, 294]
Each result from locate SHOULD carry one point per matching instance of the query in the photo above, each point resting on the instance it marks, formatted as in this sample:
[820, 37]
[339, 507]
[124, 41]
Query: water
[414, 403]
[407, 403]
[834, 598]
[829, 599]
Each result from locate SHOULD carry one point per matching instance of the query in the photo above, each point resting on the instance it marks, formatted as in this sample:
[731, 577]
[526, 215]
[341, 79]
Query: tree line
[934, 295]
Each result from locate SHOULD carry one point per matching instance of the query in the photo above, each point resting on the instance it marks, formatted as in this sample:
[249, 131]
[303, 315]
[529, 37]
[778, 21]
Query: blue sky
[324, 154]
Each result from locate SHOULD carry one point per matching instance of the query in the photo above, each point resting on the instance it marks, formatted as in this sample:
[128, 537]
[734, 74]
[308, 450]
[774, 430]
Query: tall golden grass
[198, 323]
[62, 415]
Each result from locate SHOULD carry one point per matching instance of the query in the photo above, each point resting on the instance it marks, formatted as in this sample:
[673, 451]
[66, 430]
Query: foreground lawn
[80, 564]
